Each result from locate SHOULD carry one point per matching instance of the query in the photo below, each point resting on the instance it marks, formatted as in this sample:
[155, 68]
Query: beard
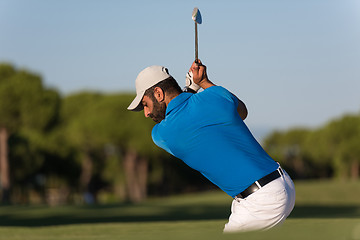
[159, 111]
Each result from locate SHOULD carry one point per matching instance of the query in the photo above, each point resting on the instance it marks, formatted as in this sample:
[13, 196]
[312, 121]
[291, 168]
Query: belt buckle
[239, 196]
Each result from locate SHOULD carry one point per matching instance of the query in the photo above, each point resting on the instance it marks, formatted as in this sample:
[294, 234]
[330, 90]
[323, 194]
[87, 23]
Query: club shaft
[196, 43]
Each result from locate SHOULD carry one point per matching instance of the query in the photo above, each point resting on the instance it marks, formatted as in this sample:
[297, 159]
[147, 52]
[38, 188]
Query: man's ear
[159, 94]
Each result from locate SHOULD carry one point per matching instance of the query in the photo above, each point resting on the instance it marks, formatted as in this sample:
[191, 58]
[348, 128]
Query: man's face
[153, 109]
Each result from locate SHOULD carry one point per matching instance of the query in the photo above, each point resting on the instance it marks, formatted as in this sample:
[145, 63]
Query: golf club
[196, 16]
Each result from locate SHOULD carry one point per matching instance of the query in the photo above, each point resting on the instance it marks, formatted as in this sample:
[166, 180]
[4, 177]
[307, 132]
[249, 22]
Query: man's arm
[200, 78]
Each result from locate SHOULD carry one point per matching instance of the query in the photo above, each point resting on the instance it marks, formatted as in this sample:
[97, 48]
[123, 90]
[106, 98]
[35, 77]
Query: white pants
[267, 207]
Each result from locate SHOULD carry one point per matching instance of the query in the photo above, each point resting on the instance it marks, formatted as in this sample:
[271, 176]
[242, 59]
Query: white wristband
[189, 82]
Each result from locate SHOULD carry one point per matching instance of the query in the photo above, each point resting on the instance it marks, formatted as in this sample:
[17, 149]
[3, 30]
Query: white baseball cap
[147, 78]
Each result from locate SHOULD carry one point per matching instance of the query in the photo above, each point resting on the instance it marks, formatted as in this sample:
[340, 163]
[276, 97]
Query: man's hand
[200, 78]
[199, 75]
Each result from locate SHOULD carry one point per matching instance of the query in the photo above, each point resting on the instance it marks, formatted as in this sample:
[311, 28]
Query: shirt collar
[177, 101]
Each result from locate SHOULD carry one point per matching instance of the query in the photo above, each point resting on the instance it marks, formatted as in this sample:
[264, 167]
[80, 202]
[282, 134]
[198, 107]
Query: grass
[324, 210]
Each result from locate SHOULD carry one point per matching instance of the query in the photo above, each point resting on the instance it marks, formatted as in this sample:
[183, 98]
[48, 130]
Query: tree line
[87, 147]
[330, 151]
[84, 147]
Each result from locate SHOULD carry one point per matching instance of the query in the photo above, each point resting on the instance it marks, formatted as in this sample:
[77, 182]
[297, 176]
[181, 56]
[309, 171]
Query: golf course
[324, 210]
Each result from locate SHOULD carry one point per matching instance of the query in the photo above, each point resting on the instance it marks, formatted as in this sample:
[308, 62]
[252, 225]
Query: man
[206, 131]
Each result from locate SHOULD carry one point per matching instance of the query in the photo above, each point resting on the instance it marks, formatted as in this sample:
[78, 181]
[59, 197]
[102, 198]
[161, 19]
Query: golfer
[207, 132]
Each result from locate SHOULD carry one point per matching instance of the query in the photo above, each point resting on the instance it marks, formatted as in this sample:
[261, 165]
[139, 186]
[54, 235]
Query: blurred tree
[288, 148]
[26, 107]
[343, 141]
[324, 152]
[6, 72]
[131, 133]
[112, 139]
[78, 121]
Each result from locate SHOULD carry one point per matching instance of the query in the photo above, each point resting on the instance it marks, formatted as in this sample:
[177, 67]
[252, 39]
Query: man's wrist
[206, 83]
[189, 90]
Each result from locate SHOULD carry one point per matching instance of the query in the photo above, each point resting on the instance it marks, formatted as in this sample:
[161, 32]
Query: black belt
[262, 182]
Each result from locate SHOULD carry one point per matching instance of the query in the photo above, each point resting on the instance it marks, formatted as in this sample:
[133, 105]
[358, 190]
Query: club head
[196, 16]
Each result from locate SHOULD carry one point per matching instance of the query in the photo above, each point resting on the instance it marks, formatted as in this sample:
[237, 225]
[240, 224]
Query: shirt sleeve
[217, 92]
[158, 140]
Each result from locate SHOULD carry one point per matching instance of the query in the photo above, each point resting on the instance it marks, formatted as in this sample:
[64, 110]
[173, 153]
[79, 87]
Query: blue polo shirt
[206, 132]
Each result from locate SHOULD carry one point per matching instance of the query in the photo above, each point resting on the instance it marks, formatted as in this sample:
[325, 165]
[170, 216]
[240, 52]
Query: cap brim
[136, 103]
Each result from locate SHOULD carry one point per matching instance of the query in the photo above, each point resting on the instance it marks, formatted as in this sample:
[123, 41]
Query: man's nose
[146, 112]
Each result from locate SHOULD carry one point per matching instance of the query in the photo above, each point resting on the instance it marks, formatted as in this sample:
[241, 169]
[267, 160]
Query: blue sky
[294, 63]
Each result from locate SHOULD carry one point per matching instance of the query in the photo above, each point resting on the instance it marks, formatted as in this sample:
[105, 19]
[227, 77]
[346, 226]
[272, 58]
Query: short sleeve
[218, 92]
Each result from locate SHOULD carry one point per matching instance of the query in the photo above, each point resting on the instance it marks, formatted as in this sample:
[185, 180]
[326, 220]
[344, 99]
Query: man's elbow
[242, 110]
[243, 114]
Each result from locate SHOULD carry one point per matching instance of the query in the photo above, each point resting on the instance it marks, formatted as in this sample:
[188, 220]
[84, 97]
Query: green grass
[324, 210]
